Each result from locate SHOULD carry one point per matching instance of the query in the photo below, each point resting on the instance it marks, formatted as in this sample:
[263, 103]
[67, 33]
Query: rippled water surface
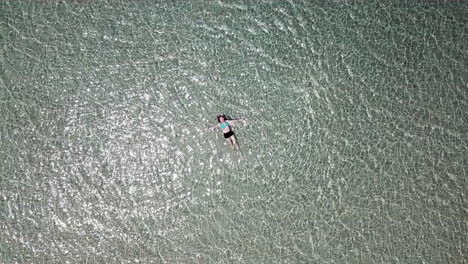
[353, 148]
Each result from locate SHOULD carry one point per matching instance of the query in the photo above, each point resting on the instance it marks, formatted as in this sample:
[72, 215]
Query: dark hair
[219, 116]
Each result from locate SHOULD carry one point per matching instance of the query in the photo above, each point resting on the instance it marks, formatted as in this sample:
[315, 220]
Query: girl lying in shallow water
[225, 125]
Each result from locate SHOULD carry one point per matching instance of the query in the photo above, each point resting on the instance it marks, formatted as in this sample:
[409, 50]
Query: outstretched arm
[235, 120]
[211, 127]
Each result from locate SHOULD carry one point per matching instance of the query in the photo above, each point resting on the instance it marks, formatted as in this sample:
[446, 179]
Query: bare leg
[234, 142]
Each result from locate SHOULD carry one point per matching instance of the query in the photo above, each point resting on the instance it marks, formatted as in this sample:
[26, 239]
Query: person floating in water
[225, 125]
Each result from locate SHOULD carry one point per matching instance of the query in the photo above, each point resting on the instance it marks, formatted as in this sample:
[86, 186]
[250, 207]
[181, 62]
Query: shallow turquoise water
[354, 148]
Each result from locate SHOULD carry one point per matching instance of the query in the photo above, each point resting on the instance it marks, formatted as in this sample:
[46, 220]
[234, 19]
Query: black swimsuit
[228, 134]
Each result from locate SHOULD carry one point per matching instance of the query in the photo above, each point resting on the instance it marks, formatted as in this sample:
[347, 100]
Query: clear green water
[354, 149]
